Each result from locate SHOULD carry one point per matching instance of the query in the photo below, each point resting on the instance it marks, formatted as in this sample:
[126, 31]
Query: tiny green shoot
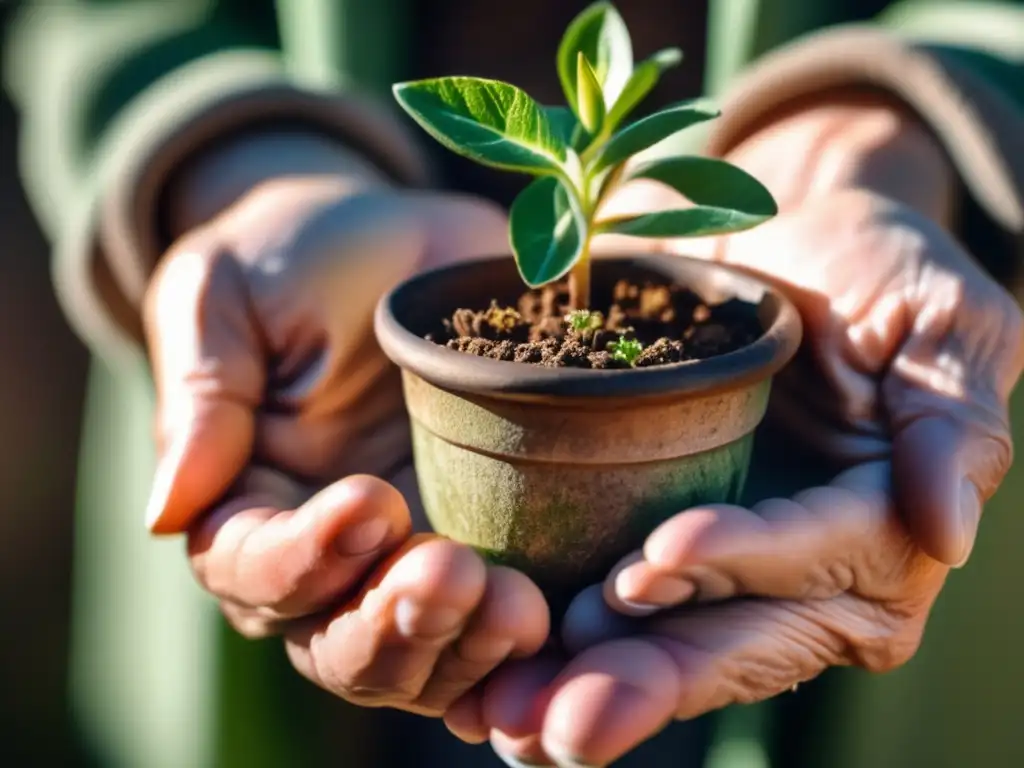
[503, 318]
[626, 350]
[581, 154]
[583, 320]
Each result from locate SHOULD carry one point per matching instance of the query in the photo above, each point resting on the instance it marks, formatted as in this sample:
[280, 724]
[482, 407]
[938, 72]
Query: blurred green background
[54, 669]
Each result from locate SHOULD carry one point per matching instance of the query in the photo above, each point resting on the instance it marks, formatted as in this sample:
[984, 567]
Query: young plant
[626, 350]
[581, 154]
[584, 321]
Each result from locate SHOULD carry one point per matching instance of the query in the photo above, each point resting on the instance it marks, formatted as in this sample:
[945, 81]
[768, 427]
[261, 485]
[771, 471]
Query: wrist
[214, 179]
[847, 140]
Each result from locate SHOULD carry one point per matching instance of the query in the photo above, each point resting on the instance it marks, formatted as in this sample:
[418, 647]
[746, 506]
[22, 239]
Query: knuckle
[1002, 454]
[513, 607]
[277, 593]
[446, 572]
[368, 689]
[369, 674]
[887, 642]
[184, 275]
[441, 693]
[248, 622]
[896, 651]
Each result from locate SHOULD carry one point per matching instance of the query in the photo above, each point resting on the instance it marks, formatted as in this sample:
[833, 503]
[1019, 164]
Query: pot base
[560, 471]
[562, 525]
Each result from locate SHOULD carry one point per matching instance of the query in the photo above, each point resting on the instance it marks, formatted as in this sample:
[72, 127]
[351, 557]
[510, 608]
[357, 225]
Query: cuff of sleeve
[111, 245]
[978, 125]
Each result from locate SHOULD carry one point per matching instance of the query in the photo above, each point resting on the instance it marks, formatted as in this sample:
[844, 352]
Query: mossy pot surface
[561, 471]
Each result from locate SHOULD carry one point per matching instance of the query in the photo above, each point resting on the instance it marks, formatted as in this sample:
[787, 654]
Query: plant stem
[579, 279]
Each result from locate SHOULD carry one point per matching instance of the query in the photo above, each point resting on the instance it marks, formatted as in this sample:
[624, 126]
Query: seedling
[582, 153]
[583, 320]
[626, 350]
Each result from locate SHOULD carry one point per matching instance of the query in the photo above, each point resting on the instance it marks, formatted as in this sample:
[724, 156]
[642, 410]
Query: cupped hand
[910, 354]
[369, 611]
[260, 333]
[277, 415]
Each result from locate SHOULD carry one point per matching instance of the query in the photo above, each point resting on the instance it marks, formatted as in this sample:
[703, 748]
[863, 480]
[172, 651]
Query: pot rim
[459, 372]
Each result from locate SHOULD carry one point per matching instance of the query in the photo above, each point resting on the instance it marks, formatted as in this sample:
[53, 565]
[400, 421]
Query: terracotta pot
[560, 472]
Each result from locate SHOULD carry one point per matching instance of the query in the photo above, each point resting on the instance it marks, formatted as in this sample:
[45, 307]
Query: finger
[609, 700]
[209, 373]
[465, 718]
[382, 647]
[368, 435]
[510, 694]
[588, 619]
[252, 623]
[947, 393]
[936, 463]
[264, 551]
[527, 752]
[634, 578]
[513, 707]
[615, 695]
[459, 227]
[337, 390]
[512, 620]
[806, 547]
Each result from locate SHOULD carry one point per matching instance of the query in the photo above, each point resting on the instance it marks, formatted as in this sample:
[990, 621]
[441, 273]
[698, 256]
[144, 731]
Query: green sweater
[114, 95]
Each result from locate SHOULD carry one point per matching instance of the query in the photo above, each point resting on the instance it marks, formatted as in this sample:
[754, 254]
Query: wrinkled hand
[276, 409]
[910, 355]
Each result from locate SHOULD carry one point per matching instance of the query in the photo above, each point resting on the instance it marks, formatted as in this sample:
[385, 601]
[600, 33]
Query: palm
[282, 290]
[908, 358]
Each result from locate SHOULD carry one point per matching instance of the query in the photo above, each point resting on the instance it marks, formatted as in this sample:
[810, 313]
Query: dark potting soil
[670, 323]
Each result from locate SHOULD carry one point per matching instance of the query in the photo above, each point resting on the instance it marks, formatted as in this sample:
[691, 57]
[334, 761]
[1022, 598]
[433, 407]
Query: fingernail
[640, 609]
[970, 516]
[155, 508]
[415, 620]
[363, 538]
[164, 479]
[565, 760]
[514, 762]
[659, 592]
[158, 495]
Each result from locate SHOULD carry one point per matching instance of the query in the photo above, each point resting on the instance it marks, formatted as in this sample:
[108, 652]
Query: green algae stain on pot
[565, 525]
[560, 472]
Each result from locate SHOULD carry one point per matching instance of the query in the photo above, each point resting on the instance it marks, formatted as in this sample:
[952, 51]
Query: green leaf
[626, 350]
[588, 90]
[547, 231]
[563, 123]
[601, 35]
[727, 199]
[650, 130]
[488, 121]
[566, 127]
[641, 83]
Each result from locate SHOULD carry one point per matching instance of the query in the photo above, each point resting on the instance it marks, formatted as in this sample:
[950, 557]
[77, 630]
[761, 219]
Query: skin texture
[267, 396]
[271, 388]
[910, 355]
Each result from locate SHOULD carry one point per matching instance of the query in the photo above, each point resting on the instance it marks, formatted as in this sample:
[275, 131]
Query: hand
[276, 407]
[910, 355]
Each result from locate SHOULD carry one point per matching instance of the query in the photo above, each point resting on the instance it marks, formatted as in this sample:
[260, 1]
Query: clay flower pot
[558, 471]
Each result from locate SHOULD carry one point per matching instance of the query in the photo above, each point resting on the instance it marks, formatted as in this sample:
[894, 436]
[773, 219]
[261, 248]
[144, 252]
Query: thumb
[459, 227]
[944, 468]
[209, 372]
[947, 394]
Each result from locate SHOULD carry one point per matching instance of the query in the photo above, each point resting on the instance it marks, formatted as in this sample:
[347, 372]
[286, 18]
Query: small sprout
[581, 155]
[583, 320]
[625, 350]
[503, 319]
